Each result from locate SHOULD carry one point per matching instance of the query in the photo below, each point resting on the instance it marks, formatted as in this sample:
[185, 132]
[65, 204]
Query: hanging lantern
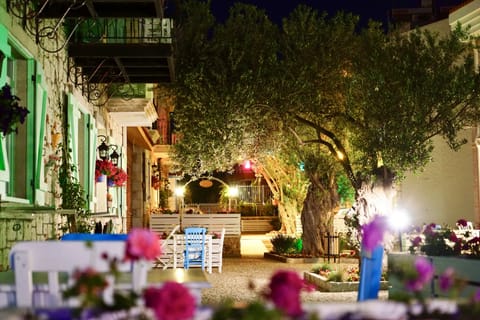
[103, 149]
[114, 155]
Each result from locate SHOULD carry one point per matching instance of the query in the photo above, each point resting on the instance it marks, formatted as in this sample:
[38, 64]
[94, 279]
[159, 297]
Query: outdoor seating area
[174, 247]
[244, 159]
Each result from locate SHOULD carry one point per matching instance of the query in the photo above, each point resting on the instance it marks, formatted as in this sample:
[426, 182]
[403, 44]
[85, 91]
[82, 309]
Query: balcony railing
[125, 31]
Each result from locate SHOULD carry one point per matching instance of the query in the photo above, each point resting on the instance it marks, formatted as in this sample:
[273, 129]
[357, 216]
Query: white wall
[444, 191]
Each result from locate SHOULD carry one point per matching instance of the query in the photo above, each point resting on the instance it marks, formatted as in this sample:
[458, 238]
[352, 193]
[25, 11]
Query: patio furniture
[194, 253]
[166, 259]
[164, 223]
[64, 257]
[217, 253]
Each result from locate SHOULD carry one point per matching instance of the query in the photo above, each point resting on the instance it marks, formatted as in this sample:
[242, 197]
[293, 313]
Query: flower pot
[101, 178]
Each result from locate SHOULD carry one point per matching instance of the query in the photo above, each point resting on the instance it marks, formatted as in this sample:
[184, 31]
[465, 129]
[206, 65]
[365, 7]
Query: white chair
[64, 257]
[217, 252]
[166, 258]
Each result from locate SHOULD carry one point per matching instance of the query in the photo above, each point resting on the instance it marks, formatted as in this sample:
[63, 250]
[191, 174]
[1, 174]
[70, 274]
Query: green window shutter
[7, 51]
[30, 123]
[92, 141]
[40, 122]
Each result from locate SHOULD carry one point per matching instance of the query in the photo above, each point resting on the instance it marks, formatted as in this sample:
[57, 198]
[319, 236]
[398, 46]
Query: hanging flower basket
[103, 168]
[118, 178]
[110, 182]
[156, 183]
[11, 114]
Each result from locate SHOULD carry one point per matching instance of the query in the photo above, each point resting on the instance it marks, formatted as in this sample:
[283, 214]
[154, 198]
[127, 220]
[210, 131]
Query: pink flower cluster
[142, 244]
[374, 232]
[285, 288]
[424, 274]
[172, 301]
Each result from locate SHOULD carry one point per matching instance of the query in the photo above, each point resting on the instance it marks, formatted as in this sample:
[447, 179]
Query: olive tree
[362, 103]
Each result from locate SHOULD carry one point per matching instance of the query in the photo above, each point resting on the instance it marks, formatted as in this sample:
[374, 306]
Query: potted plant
[118, 178]
[11, 114]
[103, 168]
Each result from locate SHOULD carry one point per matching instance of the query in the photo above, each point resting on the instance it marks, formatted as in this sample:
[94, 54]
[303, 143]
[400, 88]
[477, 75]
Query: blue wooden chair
[370, 274]
[194, 254]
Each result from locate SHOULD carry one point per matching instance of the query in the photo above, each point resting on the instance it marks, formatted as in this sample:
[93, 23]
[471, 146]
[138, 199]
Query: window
[19, 146]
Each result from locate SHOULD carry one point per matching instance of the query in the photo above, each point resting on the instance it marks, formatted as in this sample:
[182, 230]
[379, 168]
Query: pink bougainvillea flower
[142, 244]
[285, 287]
[462, 222]
[453, 237]
[429, 229]
[373, 232]
[416, 241]
[425, 271]
[447, 279]
[172, 301]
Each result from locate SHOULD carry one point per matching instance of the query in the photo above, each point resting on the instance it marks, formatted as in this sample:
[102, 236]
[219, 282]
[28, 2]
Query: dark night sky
[276, 9]
[367, 9]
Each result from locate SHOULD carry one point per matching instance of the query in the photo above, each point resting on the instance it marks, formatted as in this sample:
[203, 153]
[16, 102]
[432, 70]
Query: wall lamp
[104, 149]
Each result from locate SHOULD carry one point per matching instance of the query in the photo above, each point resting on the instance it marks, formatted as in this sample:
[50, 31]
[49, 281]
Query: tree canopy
[368, 102]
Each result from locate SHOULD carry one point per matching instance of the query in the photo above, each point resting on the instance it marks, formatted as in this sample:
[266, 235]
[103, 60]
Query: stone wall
[231, 246]
[36, 225]
[20, 226]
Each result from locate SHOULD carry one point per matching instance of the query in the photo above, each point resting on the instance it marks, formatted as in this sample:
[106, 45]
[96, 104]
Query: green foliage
[252, 311]
[345, 190]
[322, 267]
[72, 194]
[285, 244]
[366, 100]
[248, 209]
[336, 276]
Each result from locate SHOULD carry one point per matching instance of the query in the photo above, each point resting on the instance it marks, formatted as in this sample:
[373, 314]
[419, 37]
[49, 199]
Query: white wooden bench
[214, 222]
[56, 257]
[164, 223]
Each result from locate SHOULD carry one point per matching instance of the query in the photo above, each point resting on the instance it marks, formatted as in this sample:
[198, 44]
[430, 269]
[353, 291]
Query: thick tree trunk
[317, 217]
[374, 197]
[287, 211]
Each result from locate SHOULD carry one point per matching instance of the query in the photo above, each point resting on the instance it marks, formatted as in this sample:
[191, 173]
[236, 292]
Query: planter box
[465, 268]
[323, 285]
[278, 257]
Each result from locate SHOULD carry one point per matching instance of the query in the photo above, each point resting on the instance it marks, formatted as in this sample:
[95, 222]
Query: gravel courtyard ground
[238, 273]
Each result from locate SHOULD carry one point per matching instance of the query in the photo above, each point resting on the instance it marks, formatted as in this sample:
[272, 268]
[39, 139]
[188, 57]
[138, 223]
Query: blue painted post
[370, 274]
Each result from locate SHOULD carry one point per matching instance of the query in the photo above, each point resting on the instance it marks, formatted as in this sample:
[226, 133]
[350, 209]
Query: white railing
[164, 223]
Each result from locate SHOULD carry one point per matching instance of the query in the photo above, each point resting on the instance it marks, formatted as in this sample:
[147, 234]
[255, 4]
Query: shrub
[284, 244]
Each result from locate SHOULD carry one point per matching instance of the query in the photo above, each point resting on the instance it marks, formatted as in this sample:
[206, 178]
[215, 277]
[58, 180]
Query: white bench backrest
[214, 222]
[164, 223]
[54, 257]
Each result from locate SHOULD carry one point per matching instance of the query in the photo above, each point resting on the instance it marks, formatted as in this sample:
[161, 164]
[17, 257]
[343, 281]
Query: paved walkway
[243, 278]
[255, 245]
